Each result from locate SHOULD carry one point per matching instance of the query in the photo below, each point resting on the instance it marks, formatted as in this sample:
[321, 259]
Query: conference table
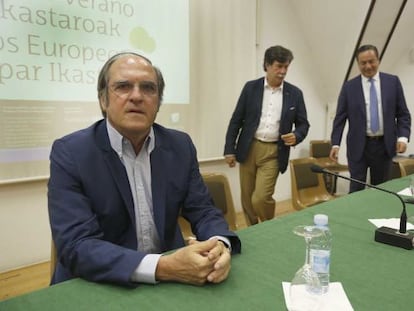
[375, 276]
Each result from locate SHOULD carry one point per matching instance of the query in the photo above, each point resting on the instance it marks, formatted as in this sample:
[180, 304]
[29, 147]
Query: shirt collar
[375, 77]
[267, 86]
[116, 139]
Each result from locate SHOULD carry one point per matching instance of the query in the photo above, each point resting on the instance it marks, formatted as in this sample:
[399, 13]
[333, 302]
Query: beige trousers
[258, 175]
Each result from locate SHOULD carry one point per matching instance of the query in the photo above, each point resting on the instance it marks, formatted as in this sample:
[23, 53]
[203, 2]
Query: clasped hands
[197, 263]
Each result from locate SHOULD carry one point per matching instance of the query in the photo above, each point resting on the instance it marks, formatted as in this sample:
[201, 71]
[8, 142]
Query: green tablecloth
[375, 276]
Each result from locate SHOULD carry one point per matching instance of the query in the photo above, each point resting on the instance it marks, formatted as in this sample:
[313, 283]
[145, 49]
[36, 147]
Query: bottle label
[320, 260]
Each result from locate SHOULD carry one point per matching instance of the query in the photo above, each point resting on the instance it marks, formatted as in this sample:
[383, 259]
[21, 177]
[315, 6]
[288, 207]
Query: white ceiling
[332, 29]
[402, 42]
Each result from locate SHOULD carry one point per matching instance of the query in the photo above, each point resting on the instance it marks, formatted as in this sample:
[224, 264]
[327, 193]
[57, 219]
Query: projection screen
[51, 53]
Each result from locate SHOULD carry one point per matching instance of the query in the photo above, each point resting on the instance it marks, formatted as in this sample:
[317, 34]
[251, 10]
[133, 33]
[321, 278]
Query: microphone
[400, 238]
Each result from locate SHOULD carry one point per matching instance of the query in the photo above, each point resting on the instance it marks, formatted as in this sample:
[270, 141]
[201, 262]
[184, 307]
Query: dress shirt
[268, 129]
[366, 84]
[139, 175]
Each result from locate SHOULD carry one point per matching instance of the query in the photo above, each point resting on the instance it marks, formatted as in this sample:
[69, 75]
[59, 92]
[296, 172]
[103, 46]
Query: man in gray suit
[378, 117]
[260, 133]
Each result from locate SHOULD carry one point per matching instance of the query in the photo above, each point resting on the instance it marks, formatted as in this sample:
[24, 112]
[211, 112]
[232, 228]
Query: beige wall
[24, 224]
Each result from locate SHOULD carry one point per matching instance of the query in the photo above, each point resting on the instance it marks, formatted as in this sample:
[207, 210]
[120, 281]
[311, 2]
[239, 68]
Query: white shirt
[268, 129]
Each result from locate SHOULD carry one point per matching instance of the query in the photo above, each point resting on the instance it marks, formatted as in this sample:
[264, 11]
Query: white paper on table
[334, 299]
[390, 223]
[405, 191]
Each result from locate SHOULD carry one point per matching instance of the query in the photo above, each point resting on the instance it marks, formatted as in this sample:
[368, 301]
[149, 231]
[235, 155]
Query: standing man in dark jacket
[374, 136]
[259, 135]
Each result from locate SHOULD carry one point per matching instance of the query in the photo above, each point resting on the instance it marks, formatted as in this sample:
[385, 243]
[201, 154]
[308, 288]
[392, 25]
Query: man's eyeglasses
[125, 88]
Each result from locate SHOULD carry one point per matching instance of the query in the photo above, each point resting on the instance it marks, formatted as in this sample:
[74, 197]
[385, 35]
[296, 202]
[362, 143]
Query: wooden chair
[320, 149]
[308, 188]
[395, 170]
[53, 258]
[406, 166]
[219, 188]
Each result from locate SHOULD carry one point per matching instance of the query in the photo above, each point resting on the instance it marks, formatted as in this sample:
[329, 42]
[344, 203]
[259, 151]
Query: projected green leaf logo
[140, 39]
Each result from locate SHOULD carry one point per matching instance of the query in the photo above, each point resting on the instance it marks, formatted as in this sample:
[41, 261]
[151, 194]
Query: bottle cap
[320, 220]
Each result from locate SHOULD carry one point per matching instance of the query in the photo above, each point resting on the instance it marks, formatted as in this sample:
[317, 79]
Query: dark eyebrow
[148, 82]
[121, 81]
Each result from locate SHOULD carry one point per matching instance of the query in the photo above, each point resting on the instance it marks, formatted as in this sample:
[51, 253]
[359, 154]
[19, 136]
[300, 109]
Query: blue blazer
[351, 107]
[246, 117]
[91, 207]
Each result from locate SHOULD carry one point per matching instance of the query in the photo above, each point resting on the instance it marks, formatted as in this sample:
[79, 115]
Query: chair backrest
[53, 258]
[395, 170]
[320, 148]
[219, 188]
[406, 166]
[308, 188]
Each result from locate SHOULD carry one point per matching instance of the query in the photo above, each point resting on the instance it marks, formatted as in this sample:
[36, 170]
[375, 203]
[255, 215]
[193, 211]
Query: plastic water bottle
[320, 251]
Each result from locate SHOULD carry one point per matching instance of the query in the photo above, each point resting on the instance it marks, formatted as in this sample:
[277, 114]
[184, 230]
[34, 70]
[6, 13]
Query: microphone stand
[400, 238]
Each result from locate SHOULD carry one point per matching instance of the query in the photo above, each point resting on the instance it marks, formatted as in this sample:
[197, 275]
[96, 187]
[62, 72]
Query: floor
[24, 280]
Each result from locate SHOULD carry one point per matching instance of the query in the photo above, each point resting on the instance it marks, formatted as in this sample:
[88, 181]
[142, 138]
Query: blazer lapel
[285, 101]
[258, 95]
[158, 184]
[384, 93]
[360, 98]
[116, 169]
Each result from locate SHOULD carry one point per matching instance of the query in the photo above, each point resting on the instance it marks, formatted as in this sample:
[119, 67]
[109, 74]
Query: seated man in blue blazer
[116, 190]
